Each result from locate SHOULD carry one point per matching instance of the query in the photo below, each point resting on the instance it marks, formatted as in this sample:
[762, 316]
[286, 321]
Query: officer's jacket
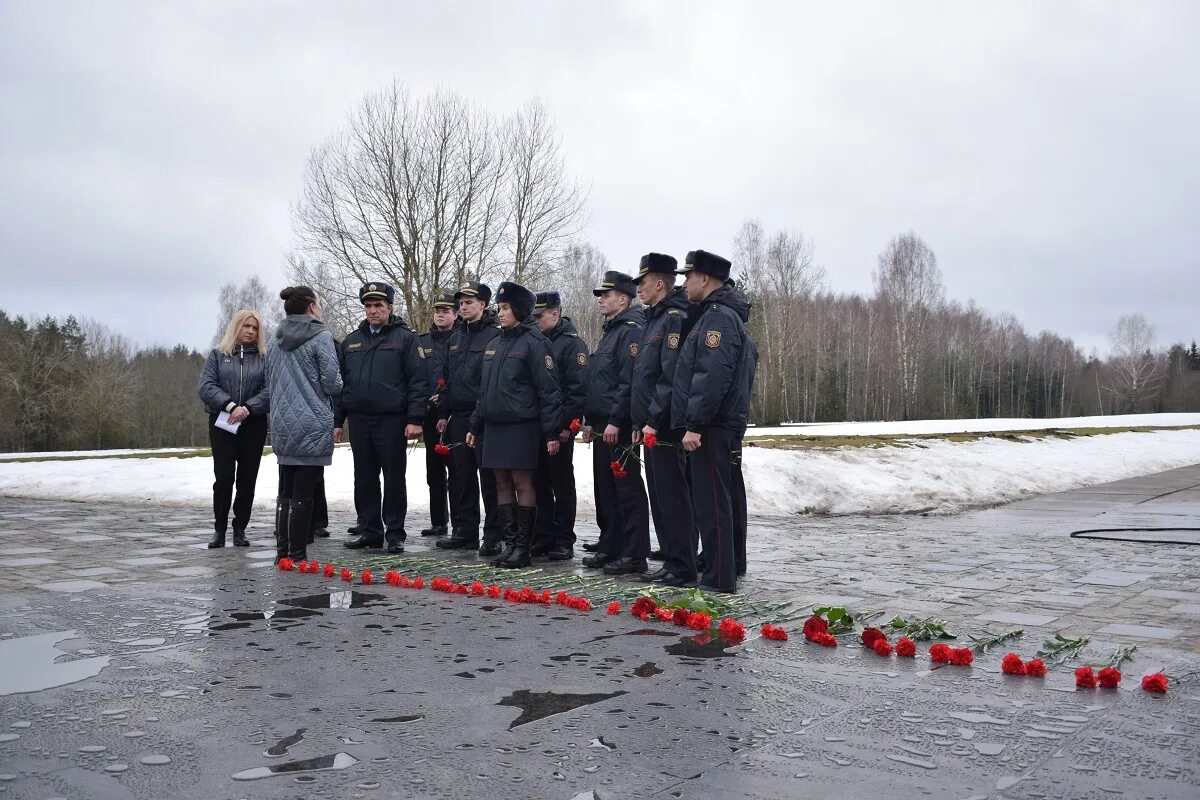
[711, 387]
[570, 353]
[654, 367]
[383, 373]
[238, 379]
[518, 381]
[434, 345]
[739, 303]
[464, 360]
[610, 369]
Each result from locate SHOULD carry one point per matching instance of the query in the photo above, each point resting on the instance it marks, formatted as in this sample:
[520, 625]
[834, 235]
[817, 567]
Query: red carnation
[441, 449]
[286, 564]
[617, 470]
[643, 616]
[825, 640]
[1012, 664]
[664, 614]
[699, 621]
[962, 656]
[477, 588]
[680, 617]
[1035, 668]
[815, 625]
[575, 425]
[1156, 683]
[882, 647]
[774, 633]
[441, 383]
[1109, 677]
[614, 607]
[419, 583]
[561, 598]
[347, 575]
[329, 570]
[643, 605]
[367, 577]
[1085, 678]
[732, 630]
[906, 647]
[650, 440]
[871, 635]
[583, 604]
[493, 591]
[940, 653]
[544, 597]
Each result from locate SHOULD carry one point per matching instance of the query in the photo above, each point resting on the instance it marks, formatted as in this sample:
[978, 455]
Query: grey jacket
[302, 380]
[227, 382]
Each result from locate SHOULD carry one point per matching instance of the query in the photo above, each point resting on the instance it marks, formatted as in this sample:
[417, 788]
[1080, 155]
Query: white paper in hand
[224, 424]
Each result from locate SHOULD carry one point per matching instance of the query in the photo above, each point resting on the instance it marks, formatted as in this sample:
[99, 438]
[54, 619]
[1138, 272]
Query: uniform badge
[421, 352]
[549, 362]
[371, 288]
[672, 341]
[633, 349]
[582, 359]
[713, 339]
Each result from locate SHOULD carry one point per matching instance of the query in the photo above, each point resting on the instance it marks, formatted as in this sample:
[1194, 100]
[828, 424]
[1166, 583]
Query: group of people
[499, 396]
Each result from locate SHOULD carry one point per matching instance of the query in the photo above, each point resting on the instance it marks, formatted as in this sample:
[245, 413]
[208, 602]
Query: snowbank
[944, 426]
[931, 475]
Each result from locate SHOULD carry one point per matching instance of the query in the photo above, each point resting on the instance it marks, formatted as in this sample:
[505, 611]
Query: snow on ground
[944, 426]
[929, 475]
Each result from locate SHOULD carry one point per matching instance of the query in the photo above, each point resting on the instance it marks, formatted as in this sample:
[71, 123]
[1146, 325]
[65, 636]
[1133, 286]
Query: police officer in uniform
[556, 473]
[385, 389]
[710, 404]
[439, 472]
[456, 403]
[653, 380]
[621, 507]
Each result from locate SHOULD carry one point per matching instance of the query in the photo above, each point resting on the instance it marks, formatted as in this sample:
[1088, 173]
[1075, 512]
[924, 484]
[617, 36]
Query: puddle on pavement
[344, 599]
[401, 718]
[691, 648]
[283, 745]
[647, 670]
[335, 761]
[31, 664]
[638, 632]
[600, 743]
[539, 705]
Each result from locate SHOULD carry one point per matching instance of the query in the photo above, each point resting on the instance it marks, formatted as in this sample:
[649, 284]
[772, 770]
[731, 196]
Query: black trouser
[621, 507]
[378, 444]
[236, 457]
[320, 514]
[710, 473]
[671, 506]
[298, 482]
[469, 481]
[556, 500]
[439, 474]
[741, 518]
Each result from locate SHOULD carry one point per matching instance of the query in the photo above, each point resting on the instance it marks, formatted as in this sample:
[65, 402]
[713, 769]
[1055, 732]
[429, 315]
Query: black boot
[459, 540]
[299, 529]
[436, 530]
[218, 540]
[283, 510]
[507, 515]
[239, 538]
[541, 548]
[520, 555]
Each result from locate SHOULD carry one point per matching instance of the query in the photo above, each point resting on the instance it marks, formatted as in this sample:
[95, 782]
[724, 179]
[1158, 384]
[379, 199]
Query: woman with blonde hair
[233, 382]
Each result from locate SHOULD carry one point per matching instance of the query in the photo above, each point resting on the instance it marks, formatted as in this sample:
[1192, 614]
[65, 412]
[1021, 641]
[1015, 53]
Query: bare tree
[579, 270]
[106, 380]
[1136, 372]
[251, 294]
[909, 283]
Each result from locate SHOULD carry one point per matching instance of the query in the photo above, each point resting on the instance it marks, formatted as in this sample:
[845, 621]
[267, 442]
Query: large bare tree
[909, 284]
[1136, 371]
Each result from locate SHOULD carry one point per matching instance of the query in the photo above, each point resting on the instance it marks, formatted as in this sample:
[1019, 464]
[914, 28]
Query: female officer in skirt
[517, 415]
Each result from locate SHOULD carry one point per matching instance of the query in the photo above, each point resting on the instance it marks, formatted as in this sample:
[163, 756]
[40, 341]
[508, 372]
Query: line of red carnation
[1012, 664]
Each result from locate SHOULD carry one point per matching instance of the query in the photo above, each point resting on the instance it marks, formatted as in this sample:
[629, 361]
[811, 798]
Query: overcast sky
[1046, 151]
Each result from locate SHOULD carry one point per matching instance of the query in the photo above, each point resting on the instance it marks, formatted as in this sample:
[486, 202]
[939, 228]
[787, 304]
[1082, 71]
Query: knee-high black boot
[283, 508]
[299, 529]
[521, 542]
[508, 524]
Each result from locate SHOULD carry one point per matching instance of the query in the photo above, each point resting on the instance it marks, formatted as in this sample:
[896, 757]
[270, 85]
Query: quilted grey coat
[302, 379]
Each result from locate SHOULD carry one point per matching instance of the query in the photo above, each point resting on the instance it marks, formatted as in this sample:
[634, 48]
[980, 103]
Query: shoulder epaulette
[630, 322]
[674, 311]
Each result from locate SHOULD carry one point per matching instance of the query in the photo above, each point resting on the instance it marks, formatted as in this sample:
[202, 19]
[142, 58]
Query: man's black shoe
[354, 530]
[561, 553]
[396, 548]
[706, 588]
[655, 555]
[597, 560]
[589, 547]
[671, 579]
[458, 541]
[239, 538]
[436, 530]
[321, 533]
[625, 566]
[541, 549]
[491, 547]
[653, 577]
[362, 542]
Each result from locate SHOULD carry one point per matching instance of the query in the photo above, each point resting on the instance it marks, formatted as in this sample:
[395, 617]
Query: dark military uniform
[464, 363]
[439, 470]
[711, 397]
[666, 467]
[738, 495]
[622, 511]
[555, 479]
[385, 388]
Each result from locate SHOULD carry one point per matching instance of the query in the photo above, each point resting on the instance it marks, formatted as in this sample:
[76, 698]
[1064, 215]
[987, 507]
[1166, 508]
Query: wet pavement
[136, 663]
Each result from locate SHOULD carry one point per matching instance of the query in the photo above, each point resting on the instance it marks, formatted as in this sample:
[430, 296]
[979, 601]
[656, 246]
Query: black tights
[515, 485]
[298, 482]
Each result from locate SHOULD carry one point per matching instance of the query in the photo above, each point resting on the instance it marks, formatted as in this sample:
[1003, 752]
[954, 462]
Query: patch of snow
[944, 426]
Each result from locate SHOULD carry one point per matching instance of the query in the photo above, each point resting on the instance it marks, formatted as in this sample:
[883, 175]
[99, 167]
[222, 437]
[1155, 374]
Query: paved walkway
[135, 663]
